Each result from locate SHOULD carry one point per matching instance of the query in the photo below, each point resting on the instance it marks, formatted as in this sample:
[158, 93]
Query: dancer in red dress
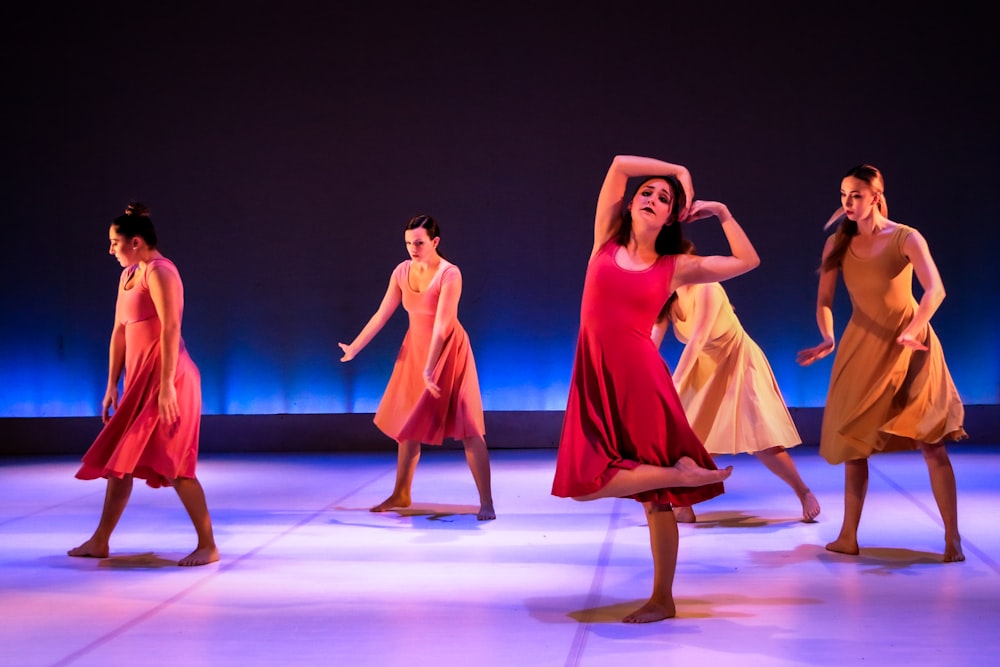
[433, 392]
[624, 433]
[154, 431]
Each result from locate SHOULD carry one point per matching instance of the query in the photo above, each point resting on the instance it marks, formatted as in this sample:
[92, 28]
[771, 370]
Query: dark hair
[688, 249]
[136, 222]
[427, 223]
[670, 240]
[848, 229]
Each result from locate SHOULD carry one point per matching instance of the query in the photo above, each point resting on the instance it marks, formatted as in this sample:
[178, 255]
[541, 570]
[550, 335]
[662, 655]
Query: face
[652, 203]
[419, 245]
[858, 198]
[122, 248]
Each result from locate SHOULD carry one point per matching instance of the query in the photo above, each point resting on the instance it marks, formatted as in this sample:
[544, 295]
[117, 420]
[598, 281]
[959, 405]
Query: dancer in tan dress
[890, 389]
[727, 387]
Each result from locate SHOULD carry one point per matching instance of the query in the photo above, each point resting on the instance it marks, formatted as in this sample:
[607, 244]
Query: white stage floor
[309, 577]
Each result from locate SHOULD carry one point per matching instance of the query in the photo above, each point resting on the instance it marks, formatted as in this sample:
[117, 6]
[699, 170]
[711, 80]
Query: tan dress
[730, 395]
[884, 396]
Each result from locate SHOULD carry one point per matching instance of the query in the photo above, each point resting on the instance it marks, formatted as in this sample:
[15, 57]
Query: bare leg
[855, 489]
[943, 485]
[479, 463]
[778, 461]
[684, 473]
[192, 496]
[115, 499]
[663, 540]
[406, 464]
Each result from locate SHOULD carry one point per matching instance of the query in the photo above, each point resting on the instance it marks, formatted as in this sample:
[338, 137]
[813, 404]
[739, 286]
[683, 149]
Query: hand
[109, 404]
[809, 355]
[431, 386]
[906, 339]
[685, 179]
[348, 352]
[169, 412]
[700, 210]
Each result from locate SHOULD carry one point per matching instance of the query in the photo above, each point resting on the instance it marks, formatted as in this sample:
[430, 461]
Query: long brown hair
[848, 229]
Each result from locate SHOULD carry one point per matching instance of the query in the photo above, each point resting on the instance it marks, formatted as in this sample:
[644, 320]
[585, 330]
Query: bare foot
[694, 475]
[651, 611]
[200, 556]
[953, 551]
[843, 545]
[92, 548]
[393, 501]
[486, 513]
[685, 515]
[810, 507]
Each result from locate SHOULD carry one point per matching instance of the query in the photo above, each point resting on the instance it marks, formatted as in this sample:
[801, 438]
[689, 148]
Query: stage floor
[309, 577]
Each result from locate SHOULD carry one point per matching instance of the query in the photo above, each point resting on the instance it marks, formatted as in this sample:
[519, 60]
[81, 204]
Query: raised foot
[200, 556]
[691, 474]
[392, 502]
[651, 612]
[953, 551]
[844, 546]
[810, 507]
[91, 549]
[685, 515]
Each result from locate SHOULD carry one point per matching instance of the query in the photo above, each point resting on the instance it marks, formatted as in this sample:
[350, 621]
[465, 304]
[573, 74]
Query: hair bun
[137, 208]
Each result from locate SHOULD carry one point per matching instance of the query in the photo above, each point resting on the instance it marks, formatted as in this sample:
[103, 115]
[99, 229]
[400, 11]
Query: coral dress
[407, 410]
[623, 409]
[730, 395]
[884, 396]
[134, 441]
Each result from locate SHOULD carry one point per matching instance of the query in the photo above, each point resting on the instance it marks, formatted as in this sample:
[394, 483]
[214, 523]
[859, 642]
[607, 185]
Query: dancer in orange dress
[727, 387]
[154, 429]
[890, 389]
[624, 433]
[433, 392]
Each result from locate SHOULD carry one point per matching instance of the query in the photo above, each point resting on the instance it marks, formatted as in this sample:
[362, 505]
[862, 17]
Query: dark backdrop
[283, 146]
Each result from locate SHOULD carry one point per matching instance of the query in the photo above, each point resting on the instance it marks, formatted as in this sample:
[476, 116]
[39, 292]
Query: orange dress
[731, 395]
[884, 396]
[623, 410]
[134, 442]
[407, 410]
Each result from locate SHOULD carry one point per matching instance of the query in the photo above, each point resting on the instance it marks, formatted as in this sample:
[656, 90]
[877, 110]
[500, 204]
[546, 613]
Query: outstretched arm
[393, 297]
[168, 297]
[916, 250]
[824, 312]
[692, 269]
[707, 302]
[611, 200]
[444, 324]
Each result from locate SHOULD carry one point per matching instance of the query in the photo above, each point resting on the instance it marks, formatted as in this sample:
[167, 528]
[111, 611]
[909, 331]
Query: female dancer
[890, 388]
[624, 433]
[153, 433]
[433, 392]
[728, 390]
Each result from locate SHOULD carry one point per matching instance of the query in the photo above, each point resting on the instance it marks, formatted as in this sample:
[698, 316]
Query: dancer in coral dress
[729, 393]
[624, 432]
[154, 429]
[433, 392]
[890, 389]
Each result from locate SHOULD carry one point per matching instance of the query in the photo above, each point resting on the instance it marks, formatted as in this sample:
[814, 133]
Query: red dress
[407, 410]
[134, 442]
[623, 409]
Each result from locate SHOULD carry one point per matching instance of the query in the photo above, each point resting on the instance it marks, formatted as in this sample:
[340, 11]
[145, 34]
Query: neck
[871, 224]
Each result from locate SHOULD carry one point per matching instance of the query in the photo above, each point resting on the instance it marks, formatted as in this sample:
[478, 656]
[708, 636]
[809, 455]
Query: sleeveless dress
[134, 441]
[884, 396]
[407, 410]
[623, 409]
[731, 396]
